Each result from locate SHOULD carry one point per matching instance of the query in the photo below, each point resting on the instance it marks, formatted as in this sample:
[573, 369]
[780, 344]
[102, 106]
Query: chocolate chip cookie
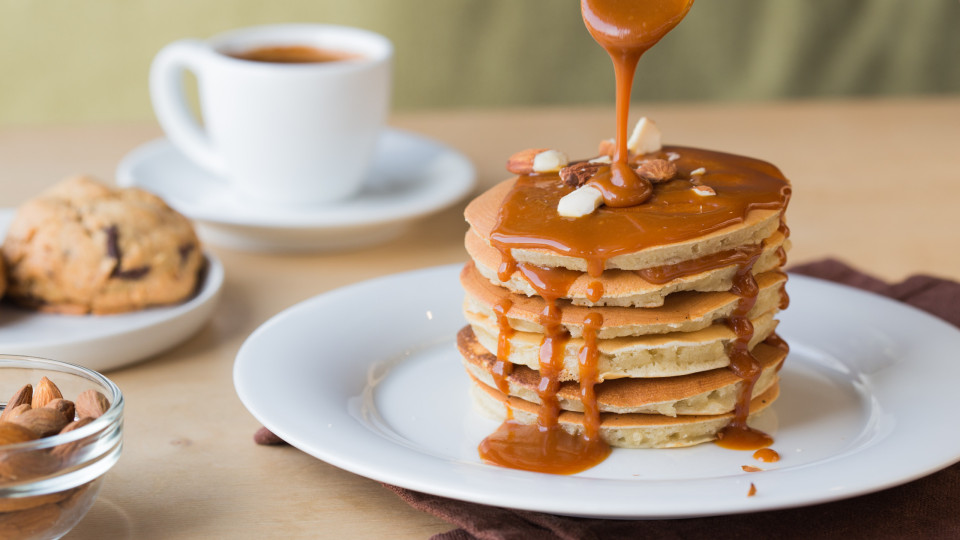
[83, 247]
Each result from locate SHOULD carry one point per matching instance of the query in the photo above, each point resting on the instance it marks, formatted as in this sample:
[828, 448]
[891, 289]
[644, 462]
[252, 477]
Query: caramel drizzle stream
[551, 363]
[551, 284]
[669, 272]
[782, 257]
[595, 291]
[503, 367]
[737, 435]
[589, 376]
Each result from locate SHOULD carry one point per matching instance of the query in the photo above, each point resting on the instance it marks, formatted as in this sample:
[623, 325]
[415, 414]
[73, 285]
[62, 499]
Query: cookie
[83, 247]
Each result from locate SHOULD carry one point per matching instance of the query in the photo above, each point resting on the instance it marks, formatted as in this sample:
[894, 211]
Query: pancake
[482, 215]
[654, 355]
[709, 392]
[680, 312]
[624, 287]
[622, 430]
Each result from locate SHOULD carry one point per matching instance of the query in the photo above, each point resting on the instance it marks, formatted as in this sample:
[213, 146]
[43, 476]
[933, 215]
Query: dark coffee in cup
[294, 54]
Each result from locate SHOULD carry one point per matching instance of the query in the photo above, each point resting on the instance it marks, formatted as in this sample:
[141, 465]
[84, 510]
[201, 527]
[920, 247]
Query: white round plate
[104, 342]
[376, 387]
[411, 176]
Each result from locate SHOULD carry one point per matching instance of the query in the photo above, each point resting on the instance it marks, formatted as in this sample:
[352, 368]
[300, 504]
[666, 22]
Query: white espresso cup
[281, 133]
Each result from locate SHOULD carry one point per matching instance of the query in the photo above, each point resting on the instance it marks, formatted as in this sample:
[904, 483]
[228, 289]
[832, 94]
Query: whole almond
[657, 170]
[45, 392]
[267, 437]
[76, 424]
[44, 422]
[607, 147]
[13, 413]
[27, 465]
[64, 407]
[91, 403]
[11, 433]
[522, 161]
[65, 451]
[23, 395]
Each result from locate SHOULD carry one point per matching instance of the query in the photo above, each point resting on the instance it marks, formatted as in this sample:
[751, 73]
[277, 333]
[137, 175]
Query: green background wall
[87, 60]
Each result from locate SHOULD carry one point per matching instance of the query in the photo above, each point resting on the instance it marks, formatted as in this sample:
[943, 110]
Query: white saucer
[381, 392]
[104, 342]
[412, 176]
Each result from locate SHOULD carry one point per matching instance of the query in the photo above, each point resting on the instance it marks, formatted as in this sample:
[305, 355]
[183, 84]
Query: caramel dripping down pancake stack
[647, 326]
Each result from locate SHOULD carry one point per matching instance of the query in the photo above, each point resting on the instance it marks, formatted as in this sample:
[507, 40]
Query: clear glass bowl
[47, 485]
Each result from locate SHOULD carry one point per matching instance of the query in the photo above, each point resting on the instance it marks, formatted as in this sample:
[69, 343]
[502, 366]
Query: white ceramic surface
[289, 134]
[104, 342]
[412, 176]
[377, 388]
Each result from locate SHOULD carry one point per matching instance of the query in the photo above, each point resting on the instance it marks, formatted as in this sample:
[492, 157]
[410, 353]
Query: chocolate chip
[185, 250]
[113, 251]
[132, 274]
[113, 246]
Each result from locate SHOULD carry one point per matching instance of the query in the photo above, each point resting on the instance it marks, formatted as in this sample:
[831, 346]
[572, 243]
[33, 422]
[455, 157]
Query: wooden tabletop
[876, 183]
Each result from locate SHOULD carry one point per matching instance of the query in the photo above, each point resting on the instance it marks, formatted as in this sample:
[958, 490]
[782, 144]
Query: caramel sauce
[626, 30]
[766, 455]
[551, 363]
[782, 255]
[589, 376]
[550, 283]
[595, 291]
[753, 490]
[738, 435]
[531, 447]
[503, 367]
[784, 297]
[508, 265]
[750, 468]
[783, 229]
[545, 446]
[670, 272]
[776, 341]
[674, 213]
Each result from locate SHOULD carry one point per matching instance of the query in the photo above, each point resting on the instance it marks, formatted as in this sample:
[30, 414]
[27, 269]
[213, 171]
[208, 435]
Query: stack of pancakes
[644, 347]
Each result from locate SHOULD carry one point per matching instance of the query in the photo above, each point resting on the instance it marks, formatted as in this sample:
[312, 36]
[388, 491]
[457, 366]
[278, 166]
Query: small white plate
[376, 387]
[104, 342]
[412, 176]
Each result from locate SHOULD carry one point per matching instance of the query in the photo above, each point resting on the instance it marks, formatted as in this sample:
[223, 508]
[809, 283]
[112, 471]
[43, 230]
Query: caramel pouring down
[626, 30]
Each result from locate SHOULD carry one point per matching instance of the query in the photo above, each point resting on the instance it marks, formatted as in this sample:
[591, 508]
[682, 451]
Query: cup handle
[170, 102]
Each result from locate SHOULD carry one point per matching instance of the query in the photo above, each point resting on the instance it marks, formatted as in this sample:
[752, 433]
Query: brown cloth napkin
[926, 508]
